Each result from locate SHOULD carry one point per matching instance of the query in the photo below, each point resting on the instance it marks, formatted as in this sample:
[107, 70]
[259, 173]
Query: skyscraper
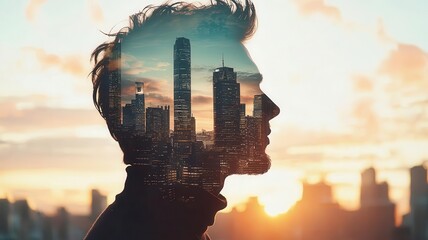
[226, 94]
[139, 109]
[4, 216]
[373, 193]
[113, 114]
[182, 100]
[128, 122]
[369, 188]
[193, 129]
[157, 123]
[262, 106]
[258, 106]
[98, 204]
[377, 212]
[419, 202]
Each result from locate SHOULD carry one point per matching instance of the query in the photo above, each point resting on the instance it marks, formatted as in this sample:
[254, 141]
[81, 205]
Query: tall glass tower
[182, 99]
[140, 109]
[114, 92]
[227, 110]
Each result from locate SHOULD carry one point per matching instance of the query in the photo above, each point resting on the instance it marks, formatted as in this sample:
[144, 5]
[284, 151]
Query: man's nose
[270, 109]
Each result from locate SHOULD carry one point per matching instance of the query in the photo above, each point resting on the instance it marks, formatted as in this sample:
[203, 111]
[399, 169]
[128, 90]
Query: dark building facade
[128, 120]
[226, 96]
[98, 204]
[134, 113]
[114, 90]
[4, 216]
[419, 203]
[262, 106]
[157, 123]
[139, 109]
[377, 212]
[182, 100]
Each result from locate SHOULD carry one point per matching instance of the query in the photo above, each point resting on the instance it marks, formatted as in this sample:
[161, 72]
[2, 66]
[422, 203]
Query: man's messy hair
[240, 16]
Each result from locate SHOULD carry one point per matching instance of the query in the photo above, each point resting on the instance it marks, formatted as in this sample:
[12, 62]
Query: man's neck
[187, 210]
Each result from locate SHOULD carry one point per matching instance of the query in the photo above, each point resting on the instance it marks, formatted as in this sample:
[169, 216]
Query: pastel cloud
[247, 99]
[95, 11]
[362, 83]
[382, 34]
[33, 8]
[152, 87]
[157, 99]
[71, 64]
[365, 116]
[406, 64]
[132, 65]
[15, 119]
[201, 100]
[310, 7]
[58, 152]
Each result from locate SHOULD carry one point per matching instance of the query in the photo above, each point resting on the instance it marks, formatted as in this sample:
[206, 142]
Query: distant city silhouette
[318, 216]
[315, 216]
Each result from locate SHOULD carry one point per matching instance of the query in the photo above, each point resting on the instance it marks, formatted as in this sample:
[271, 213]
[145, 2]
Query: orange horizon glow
[350, 79]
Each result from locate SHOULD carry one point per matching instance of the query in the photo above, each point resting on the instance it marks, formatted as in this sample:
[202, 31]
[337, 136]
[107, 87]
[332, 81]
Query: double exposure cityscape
[185, 156]
[189, 137]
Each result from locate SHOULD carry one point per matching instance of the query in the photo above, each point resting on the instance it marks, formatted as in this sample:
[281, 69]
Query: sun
[277, 201]
[275, 205]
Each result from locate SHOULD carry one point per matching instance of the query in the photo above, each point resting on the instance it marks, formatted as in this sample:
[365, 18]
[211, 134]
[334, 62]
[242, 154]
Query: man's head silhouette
[174, 88]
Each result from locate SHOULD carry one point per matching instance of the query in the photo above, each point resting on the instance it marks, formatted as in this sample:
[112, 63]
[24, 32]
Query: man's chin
[254, 167]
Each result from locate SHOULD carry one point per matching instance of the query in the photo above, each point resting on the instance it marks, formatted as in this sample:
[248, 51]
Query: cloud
[201, 100]
[406, 64]
[247, 99]
[304, 157]
[37, 118]
[95, 11]
[382, 34]
[132, 65]
[150, 86]
[158, 99]
[162, 65]
[365, 116]
[250, 84]
[299, 137]
[202, 68]
[362, 83]
[249, 78]
[151, 99]
[58, 152]
[33, 8]
[310, 7]
[71, 64]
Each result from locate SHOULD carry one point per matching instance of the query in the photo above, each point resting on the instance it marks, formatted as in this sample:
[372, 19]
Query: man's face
[192, 106]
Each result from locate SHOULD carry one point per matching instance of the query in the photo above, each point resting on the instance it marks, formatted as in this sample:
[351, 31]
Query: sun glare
[279, 200]
[275, 205]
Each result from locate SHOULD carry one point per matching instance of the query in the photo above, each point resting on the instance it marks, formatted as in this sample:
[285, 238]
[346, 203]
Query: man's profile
[175, 88]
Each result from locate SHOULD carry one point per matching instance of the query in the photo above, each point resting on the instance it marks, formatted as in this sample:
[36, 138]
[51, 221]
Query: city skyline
[349, 77]
[180, 155]
[152, 64]
[375, 218]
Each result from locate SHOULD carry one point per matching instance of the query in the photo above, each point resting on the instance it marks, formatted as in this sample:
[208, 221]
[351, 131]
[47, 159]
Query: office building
[182, 101]
[157, 123]
[227, 110]
[113, 113]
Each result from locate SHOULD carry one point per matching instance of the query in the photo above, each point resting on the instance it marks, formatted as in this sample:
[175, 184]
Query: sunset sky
[350, 77]
[147, 57]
